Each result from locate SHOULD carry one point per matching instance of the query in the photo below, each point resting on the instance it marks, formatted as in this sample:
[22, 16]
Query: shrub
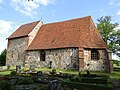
[35, 79]
[25, 75]
[25, 81]
[13, 73]
[53, 71]
[6, 85]
[8, 67]
[42, 87]
[88, 72]
[79, 74]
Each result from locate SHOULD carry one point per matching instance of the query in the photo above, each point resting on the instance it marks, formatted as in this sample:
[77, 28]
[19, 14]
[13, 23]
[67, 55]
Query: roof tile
[80, 32]
[24, 30]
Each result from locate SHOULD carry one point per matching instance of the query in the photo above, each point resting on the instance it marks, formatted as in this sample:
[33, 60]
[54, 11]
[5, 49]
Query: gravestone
[14, 80]
[18, 68]
[32, 68]
[39, 74]
[50, 63]
[53, 85]
[3, 68]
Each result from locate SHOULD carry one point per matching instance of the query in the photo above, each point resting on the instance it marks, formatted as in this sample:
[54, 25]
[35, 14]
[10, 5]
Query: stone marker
[18, 68]
[32, 68]
[39, 74]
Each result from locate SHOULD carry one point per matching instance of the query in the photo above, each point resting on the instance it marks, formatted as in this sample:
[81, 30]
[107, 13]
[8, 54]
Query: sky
[14, 13]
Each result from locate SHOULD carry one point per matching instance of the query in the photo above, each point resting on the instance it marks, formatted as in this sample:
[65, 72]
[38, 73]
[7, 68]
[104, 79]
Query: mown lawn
[113, 75]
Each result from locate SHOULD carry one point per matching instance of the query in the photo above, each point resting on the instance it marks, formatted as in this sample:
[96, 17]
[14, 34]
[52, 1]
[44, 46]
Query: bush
[88, 72]
[116, 62]
[13, 73]
[79, 74]
[53, 72]
[6, 85]
[42, 87]
[25, 81]
[85, 86]
[25, 75]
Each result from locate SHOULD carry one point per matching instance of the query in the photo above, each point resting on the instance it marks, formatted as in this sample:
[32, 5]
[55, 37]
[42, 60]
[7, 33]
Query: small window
[42, 55]
[94, 55]
[12, 54]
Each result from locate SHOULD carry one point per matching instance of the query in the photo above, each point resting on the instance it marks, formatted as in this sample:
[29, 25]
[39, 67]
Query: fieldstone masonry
[60, 58]
[16, 51]
[95, 65]
[64, 59]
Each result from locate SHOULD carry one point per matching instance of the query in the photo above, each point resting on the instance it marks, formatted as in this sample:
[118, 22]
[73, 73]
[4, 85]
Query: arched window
[42, 55]
[94, 54]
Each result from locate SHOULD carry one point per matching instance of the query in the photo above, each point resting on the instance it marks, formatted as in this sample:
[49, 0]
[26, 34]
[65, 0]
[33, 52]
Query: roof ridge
[21, 32]
[69, 20]
[31, 22]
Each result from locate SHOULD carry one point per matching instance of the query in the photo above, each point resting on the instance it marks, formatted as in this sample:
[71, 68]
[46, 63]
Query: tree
[109, 33]
[3, 58]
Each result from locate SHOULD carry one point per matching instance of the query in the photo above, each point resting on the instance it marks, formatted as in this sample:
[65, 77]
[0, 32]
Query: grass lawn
[2, 73]
[114, 75]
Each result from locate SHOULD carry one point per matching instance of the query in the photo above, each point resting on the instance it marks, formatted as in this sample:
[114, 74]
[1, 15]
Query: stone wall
[61, 58]
[95, 65]
[16, 51]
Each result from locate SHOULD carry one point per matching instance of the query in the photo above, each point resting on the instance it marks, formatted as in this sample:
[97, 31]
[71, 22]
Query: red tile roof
[80, 32]
[23, 30]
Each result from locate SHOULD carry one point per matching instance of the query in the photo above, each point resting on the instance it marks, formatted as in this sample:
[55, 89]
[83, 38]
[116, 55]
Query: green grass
[114, 75]
[58, 70]
[2, 73]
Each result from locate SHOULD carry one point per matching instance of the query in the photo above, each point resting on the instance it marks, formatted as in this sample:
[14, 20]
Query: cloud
[111, 2]
[1, 1]
[5, 30]
[117, 28]
[118, 4]
[118, 12]
[5, 26]
[28, 8]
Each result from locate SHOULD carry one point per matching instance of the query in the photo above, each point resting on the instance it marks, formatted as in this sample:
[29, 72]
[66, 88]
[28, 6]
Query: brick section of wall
[92, 65]
[16, 51]
[61, 58]
[81, 59]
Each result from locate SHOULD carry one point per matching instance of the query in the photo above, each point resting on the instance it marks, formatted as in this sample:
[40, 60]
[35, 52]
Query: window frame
[42, 55]
[95, 55]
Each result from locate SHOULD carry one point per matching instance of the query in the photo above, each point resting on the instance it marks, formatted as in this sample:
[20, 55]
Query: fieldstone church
[71, 44]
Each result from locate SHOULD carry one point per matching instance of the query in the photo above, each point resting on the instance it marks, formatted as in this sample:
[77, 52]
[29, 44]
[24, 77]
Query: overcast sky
[14, 13]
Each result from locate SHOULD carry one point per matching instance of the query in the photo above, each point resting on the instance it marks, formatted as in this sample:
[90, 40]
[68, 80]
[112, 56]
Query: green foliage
[109, 34]
[8, 67]
[53, 71]
[85, 86]
[42, 87]
[3, 58]
[25, 75]
[116, 62]
[88, 72]
[6, 85]
[13, 73]
[25, 81]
